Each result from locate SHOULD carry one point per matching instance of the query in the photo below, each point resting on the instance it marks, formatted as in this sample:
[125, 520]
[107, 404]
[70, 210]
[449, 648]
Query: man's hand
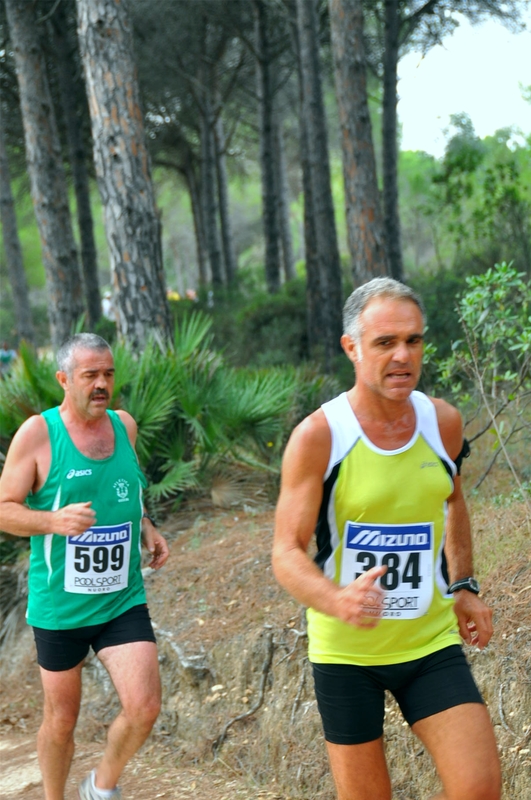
[73, 519]
[361, 602]
[155, 543]
[474, 618]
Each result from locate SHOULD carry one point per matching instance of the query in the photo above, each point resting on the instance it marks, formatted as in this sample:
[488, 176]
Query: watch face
[474, 584]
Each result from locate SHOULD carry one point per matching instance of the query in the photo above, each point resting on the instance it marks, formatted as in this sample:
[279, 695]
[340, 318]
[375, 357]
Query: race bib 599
[97, 561]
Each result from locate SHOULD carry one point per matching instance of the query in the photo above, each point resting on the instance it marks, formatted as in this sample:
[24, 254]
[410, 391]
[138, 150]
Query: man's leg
[462, 744]
[134, 671]
[360, 771]
[55, 741]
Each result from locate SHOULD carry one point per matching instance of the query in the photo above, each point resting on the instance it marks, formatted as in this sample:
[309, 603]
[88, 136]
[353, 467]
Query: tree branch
[216, 745]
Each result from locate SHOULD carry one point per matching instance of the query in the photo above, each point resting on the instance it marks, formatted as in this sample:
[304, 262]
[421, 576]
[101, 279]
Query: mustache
[99, 393]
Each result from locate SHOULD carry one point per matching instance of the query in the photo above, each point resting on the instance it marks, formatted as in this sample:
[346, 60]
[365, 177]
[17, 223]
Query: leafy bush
[257, 329]
[490, 366]
[194, 412]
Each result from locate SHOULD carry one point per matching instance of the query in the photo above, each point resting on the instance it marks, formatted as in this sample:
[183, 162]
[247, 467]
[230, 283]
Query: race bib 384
[406, 551]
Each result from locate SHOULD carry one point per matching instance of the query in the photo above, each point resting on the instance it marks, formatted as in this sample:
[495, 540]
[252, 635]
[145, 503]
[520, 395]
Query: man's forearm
[19, 520]
[458, 546]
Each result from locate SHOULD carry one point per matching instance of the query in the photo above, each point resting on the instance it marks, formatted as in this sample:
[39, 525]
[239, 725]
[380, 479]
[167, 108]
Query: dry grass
[218, 610]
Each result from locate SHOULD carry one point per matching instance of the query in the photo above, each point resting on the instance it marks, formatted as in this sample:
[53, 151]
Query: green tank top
[75, 581]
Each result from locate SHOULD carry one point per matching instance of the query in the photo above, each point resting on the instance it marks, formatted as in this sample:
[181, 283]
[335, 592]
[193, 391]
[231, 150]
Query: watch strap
[469, 584]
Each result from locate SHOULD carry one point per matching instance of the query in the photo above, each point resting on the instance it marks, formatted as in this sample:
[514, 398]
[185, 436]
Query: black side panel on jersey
[322, 529]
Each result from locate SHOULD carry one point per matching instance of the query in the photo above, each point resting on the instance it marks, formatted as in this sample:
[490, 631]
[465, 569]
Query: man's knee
[143, 712]
[59, 722]
[486, 786]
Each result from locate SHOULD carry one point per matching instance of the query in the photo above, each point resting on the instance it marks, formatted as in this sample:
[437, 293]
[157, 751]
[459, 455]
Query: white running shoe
[87, 790]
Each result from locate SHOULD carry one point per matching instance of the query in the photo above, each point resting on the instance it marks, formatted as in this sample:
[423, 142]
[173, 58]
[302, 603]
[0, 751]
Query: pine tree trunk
[45, 167]
[197, 215]
[13, 251]
[209, 186]
[283, 204]
[319, 168]
[315, 291]
[362, 198]
[267, 150]
[223, 196]
[78, 163]
[124, 176]
[390, 144]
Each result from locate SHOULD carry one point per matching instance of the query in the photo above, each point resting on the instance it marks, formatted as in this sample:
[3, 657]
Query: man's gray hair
[378, 287]
[79, 341]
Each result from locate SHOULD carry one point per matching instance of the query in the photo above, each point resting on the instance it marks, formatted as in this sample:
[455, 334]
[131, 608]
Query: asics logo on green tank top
[78, 473]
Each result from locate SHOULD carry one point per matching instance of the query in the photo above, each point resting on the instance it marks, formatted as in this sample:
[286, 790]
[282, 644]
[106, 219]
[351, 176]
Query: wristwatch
[146, 516]
[470, 584]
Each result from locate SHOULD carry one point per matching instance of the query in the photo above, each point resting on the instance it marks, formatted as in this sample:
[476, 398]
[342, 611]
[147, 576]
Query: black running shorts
[62, 650]
[351, 699]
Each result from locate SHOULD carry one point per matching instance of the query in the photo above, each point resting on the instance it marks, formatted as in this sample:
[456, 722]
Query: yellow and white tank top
[385, 507]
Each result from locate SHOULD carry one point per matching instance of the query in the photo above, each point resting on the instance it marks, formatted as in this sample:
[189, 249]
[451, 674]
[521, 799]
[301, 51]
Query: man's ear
[350, 347]
[62, 379]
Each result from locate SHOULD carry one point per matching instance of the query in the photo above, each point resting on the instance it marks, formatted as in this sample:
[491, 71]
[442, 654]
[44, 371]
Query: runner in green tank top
[374, 474]
[72, 483]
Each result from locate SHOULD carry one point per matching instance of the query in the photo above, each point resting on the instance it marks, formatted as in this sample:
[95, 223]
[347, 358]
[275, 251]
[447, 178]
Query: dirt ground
[156, 772]
[232, 655]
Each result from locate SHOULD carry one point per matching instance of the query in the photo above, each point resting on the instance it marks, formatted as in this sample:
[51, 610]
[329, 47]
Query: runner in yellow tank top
[374, 474]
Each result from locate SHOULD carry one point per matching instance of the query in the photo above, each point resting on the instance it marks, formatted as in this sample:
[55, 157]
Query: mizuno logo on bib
[406, 551]
[97, 561]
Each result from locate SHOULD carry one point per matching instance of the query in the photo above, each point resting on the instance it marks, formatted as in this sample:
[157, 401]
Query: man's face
[389, 360]
[90, 386]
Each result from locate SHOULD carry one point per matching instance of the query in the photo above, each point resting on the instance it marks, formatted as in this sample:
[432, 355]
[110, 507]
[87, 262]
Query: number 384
[398, 570]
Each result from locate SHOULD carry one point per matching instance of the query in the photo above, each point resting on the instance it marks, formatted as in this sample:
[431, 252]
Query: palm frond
[192, 333]
[29, 388]
[180, 477]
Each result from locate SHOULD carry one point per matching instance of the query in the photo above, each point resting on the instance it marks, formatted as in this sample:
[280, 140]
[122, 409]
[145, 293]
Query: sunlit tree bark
[362, 197]
[123, 170]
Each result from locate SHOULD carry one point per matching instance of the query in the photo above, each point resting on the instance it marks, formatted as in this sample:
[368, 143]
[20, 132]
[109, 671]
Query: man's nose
[401, 352]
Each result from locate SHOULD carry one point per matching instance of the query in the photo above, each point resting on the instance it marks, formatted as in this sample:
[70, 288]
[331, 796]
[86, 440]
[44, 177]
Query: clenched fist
[360, 603]
[73, 519]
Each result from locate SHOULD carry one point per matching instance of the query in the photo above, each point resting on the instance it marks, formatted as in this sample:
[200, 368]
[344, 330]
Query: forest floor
[233, 665]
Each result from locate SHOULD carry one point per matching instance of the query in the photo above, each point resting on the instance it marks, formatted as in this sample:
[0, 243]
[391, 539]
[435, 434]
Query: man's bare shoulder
[28, 455]
[130, 425]
[32, 433]
[313, 430]
[450, 426]
[310, 442]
